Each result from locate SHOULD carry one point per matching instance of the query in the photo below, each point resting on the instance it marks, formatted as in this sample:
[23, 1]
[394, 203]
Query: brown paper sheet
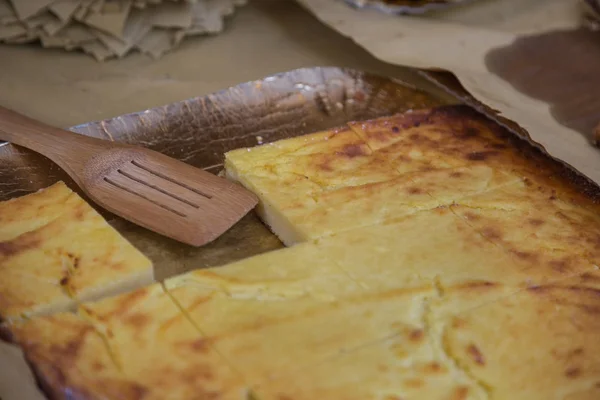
[137, 27]
[77, 33]
[459, 41]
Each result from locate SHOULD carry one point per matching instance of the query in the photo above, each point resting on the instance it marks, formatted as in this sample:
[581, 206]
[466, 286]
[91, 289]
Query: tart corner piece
[133, 346]
[376, 171]
[303, 182]
[540, 343]
[32, 211]
[61, 252]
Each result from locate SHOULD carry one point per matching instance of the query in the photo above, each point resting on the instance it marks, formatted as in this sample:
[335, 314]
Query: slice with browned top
[384, 169]
[539, 344]
[440, 258]
[282, 311]
[410, 366]
[136, 346]
[62, 253]
[295, 177]
[69, 358]
[27, 213]
[534, 225]
[439, 246]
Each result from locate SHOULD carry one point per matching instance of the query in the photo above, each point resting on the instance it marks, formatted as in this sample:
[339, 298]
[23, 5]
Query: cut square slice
[405, 367]
[426, 140]
[260, 289]
[298, 180]
[300, 271]
[288, 309]
[284, 201]
[371, 204]
[538, 232]
[450, 132]
[298, 210]
[431, 247]
[360, 206]
[67, 355]
[137, 345]
[74, 257]
[541, 343]
[267, 338]
[448, 186]
[30, 212]
[455, 136]
[329, 182]
[330, 159]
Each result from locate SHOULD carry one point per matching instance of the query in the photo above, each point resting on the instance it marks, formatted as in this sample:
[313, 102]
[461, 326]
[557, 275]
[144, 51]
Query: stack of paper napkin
[111, 28]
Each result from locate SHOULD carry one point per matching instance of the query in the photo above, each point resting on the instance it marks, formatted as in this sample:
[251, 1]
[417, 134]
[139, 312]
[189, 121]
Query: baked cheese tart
[541, 343]
[28, 213]
[281, 311]
[56, 250]
[376, 171]
[133, 346]
[432, 256]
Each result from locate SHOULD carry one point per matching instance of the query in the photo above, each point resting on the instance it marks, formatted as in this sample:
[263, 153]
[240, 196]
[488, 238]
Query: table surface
[263, 38]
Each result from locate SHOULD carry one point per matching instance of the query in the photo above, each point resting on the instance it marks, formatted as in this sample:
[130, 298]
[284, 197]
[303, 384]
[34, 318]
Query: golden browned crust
[28, 213]
[320, 184]
[540, 343]
[474, 137]
[56, 250]
[446, 205]
[53, 347]
[135, 346]
[433, 240]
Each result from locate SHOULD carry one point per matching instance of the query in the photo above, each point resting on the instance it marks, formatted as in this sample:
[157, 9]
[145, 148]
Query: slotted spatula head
[165, 195]
[143, 186]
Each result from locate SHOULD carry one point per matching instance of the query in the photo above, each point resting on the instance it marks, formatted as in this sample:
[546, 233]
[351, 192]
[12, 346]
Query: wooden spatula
[148, 188]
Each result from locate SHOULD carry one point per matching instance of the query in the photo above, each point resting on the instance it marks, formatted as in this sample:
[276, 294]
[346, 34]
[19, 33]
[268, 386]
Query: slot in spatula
[145, 187]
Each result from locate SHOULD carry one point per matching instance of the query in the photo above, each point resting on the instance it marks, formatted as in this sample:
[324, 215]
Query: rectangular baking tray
[200, 130]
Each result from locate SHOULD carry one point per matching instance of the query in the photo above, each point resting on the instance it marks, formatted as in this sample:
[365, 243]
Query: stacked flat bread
[431, 255]
[112, 28]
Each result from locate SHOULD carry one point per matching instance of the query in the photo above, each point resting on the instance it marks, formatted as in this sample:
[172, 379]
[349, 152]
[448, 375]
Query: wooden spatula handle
[27, 132]
[65, 148]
